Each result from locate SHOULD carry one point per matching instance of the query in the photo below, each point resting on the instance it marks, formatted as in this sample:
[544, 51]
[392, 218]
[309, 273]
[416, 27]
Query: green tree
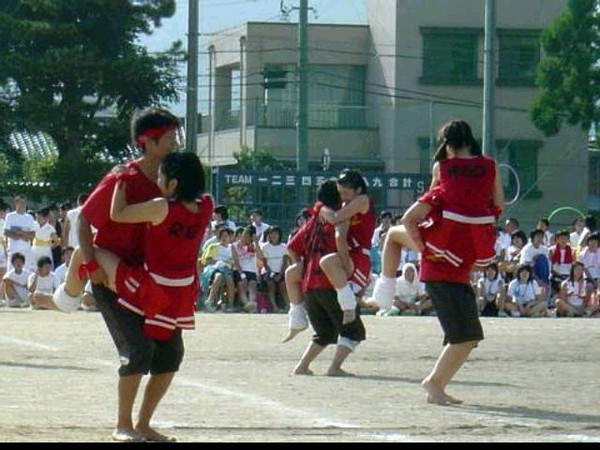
[568, 76]
[64, 63]
[262, 159]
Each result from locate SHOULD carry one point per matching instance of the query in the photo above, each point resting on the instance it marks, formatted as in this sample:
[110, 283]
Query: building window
[521, 155]
[519, 55]
[450, 56]
[337, 96]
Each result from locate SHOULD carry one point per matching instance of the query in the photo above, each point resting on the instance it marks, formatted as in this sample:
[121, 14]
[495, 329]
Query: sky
[217, 15]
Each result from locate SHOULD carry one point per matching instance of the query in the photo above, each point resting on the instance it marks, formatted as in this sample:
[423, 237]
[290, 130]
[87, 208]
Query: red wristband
[87, 268]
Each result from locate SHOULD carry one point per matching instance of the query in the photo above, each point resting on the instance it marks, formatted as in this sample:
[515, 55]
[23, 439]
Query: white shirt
[574, 239]
[247, 258]
[575, 292]
[409, 291]
[274, 255]
[260, 230]
[73, 216]
[529, 251]
[490, 288]
[19, 222]
[523, 293]
[60, 273]
[44, 285]
[21, 278]
[591, 260]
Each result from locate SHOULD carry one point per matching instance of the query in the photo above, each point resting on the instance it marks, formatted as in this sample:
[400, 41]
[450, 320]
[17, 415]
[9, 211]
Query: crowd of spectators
[241, 267]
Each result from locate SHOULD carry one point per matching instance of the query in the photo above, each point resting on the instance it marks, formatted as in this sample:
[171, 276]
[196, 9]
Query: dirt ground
[530, 380]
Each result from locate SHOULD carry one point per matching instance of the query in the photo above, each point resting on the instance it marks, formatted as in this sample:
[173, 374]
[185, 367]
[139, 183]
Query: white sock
[298, 318]
[346, 298]
[383, 292]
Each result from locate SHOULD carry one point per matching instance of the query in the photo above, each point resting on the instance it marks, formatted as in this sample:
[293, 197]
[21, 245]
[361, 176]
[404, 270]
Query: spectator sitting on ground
[526, 298]
[561, 258]
[42, 284]
[490, 292]
[574, 295]
[15, 282]
[245, 253]
[590, 257]
[410, 297]
[220, 215]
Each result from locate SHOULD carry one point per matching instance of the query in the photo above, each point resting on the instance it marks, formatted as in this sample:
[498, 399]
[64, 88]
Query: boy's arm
[153, 211]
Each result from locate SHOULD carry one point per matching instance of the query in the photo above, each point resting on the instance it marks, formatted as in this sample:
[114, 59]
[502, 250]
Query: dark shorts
[456, 308]
[325, 316]
[250, 276]
[137, 353]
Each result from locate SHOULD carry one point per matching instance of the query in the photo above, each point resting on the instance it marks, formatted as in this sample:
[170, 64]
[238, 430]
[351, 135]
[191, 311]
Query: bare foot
[151, 435]
[292, 334]
[339, 373]
[302, 371]
[435, 394]
[348, 317]
[453, 400]
[126, 435]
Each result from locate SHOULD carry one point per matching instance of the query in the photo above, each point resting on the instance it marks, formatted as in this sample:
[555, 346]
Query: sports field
[529, 380]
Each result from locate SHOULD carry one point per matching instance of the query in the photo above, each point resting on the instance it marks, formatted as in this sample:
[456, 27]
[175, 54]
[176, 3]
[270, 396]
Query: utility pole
[191, 112]
[302, 115]
[489, 78]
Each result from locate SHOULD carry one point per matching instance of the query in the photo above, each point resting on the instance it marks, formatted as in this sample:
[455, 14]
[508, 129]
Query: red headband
[153, 133]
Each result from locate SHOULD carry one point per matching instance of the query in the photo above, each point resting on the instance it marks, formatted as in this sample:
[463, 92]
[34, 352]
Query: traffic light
[275, 79]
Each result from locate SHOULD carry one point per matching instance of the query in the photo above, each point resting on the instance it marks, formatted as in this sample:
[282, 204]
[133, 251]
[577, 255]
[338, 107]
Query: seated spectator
[590, 257]
[42, 284]
[574, 295]
[490, 292]
[561, 257]
[534, 247]
[217, 272]
[525, 296]
[245, 253]
[15, 280]
[549, 237]
[273, 265]
[578, 225]
[410, 297]
[508, 266]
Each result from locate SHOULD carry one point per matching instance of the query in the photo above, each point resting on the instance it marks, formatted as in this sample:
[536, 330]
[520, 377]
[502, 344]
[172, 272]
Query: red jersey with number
[361, 228]
[467, 185]
[171, 247]
[126, 240]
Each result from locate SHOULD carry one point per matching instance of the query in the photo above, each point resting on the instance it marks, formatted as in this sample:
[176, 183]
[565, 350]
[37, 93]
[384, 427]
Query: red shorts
[165, 308]
[361, 277]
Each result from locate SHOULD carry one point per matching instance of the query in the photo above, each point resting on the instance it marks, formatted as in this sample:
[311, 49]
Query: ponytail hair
[458, 134]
